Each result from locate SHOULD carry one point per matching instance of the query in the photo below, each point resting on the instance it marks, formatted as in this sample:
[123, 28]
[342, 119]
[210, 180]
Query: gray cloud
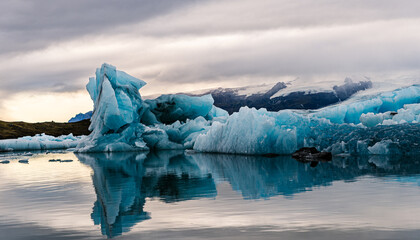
[27, 25]
[54, 46]
[218, 16]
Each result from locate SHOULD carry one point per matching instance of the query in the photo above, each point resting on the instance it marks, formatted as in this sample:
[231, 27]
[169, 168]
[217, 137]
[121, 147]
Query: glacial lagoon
[187, 195]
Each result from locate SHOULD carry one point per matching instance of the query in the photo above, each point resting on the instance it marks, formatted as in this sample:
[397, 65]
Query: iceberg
[382, 124]
[115, 122]
[39, 142]
[122, 121]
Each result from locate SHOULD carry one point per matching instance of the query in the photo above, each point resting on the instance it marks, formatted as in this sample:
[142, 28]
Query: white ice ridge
[39, 142]
[385, 123]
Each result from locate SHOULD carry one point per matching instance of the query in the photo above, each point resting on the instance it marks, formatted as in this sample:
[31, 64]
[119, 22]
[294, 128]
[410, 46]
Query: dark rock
[271, 155]
[393, 113]
[311, 154]
[5, 162]
[12, 130]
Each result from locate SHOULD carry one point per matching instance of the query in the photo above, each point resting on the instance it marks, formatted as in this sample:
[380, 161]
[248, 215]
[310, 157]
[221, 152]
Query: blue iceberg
[385, 123]
[122, 121]
[39, 142]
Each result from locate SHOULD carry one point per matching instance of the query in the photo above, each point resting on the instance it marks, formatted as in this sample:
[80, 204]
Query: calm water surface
[178, 195]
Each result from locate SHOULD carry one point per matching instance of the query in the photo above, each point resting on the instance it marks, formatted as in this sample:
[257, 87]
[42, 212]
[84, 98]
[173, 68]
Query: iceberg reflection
[123, 181]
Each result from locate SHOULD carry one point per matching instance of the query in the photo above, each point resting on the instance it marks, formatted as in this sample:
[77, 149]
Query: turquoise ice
[385, 123]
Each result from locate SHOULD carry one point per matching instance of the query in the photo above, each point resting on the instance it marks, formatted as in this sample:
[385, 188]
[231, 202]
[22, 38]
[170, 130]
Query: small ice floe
[27, 154]
[26, 161]
[4, 161]
[67, 160]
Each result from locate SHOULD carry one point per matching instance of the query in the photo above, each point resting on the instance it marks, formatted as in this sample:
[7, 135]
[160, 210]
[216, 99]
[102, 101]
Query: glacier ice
[122, 121]
[410, 113]
[115, 122]
[171, 108]
[39, 142]
[384, 123]
[352, 110]
[186, 122]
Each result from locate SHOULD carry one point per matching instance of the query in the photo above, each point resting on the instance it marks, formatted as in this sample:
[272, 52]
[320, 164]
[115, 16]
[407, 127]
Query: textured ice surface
[168, 109]
[122, 121]
[351, 111]
[39, 142]
[334, 128]
[410, 113]
[115, 123]
[383, 123]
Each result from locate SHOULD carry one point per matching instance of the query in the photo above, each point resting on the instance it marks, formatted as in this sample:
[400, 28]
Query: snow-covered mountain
[291, 95]
[296, 94]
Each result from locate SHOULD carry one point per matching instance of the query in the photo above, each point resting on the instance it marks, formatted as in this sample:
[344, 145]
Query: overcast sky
[49, 49]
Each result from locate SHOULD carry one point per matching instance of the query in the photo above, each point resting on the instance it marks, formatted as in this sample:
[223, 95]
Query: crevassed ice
[386, 123]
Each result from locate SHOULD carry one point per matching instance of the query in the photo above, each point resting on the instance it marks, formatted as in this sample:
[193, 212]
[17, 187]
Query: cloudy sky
[49, 49]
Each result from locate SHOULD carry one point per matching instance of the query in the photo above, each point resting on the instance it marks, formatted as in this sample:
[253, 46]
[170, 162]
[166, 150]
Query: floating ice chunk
[251, 131]
[115, 123]
[121, 121]
[39, 142]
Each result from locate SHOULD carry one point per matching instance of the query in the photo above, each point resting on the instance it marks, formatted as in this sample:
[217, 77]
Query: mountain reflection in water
[123, 181]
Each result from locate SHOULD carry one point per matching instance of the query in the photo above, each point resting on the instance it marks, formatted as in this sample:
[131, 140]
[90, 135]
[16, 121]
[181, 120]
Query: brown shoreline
[11, 130]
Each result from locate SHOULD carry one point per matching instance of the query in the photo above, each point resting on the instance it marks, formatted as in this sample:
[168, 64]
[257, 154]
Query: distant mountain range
[275, 97]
